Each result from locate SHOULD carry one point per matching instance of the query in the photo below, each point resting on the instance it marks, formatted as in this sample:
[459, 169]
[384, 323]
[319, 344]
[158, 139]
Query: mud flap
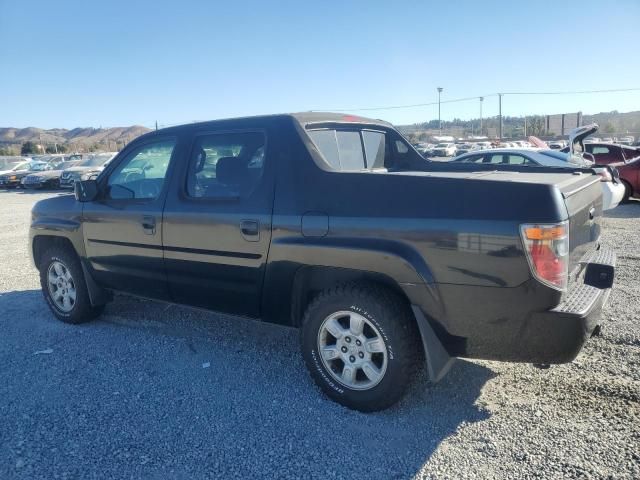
[438, 359]
[97, 294]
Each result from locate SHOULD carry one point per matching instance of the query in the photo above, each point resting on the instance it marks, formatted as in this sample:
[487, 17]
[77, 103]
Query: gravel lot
[131, 396]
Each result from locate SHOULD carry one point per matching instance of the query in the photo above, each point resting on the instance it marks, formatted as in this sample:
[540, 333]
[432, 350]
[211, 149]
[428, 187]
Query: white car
[613, 190]
[444, 150]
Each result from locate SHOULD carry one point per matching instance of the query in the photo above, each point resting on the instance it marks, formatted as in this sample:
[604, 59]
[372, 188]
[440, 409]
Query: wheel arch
[312, 279]
[41, 243]
[629, 191]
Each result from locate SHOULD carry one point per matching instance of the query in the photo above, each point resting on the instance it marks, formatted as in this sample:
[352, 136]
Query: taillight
[547, 250]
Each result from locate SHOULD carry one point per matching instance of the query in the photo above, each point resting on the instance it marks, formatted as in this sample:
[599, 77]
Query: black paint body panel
[447, 239]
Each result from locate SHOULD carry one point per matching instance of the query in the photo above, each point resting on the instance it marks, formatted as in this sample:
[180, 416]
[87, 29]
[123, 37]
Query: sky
[66, 64]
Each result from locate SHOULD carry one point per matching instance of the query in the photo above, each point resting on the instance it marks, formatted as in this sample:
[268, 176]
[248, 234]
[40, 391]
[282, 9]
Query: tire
[385, 317]
[628, 192]
[63, 264]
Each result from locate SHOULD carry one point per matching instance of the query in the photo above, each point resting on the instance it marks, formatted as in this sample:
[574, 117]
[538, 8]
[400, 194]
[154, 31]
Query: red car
[625, 159]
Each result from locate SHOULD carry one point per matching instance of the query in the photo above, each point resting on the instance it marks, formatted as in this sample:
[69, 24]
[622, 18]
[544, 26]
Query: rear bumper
[612, 194]
[516, 324]
[558, 335]
[9, 183]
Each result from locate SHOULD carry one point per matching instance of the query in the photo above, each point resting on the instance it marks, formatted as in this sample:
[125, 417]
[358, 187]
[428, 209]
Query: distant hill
[615, 122]
[77, 136]
[611, 123]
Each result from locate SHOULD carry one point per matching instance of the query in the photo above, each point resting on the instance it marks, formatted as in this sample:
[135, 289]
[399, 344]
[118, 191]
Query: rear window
[351, 150]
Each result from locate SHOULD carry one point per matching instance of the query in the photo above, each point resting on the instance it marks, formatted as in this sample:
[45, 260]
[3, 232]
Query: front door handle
[250, 230]
[149, 224]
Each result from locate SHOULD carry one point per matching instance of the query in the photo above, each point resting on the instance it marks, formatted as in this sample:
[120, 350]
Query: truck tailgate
[584, 206]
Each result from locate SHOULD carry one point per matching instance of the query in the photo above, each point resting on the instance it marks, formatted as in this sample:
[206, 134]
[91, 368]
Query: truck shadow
[228, 395]
[631, 209]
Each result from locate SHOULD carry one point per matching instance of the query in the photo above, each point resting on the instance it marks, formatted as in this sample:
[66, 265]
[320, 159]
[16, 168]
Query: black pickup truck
[336, 225]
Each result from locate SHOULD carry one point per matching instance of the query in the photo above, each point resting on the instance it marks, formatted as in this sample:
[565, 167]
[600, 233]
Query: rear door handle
[250, 230]
[149, 224]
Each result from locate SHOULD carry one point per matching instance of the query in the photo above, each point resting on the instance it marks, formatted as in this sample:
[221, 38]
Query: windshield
[38, 167]
[20, 166]
[442, 145]
[96, 161]
[65, 165]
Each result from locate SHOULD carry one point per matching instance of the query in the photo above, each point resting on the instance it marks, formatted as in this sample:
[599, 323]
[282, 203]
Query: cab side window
[142, 174]
[226, 165]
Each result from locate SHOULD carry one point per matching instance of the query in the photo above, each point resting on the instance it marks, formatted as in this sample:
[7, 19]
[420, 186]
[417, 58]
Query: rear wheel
[360, 345]
[64, 287]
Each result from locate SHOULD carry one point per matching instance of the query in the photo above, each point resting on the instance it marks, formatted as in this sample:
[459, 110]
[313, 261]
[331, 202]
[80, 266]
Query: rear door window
[226, 165]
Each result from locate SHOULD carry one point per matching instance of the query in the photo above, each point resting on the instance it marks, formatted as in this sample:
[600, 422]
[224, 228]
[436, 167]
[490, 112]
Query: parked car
[94, 164]
[14, 177]
[464, 148]
[21, 165]
[216, 215]
[427, 150]
[624, 158]
[444, 150]
[9, 162]
[612, 188]
[48, 178]
[485, 145]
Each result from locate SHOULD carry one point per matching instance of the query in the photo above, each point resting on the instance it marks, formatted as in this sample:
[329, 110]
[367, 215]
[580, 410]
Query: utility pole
[439, 118]
[156, 124]
[481, 100]
[500, 115]
[525, 125]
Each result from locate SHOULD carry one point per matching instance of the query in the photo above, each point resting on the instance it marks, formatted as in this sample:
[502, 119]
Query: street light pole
[439, 118]
[481, 100]
[500, 115]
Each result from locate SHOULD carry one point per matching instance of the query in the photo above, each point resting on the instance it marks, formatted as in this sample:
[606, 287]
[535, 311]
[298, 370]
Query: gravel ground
[157, 391]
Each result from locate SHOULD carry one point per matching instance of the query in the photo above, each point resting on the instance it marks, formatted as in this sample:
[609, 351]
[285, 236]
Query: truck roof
[304, 118]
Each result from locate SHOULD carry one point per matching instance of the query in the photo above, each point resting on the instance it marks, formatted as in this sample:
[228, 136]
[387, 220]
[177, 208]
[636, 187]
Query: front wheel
[360, 344]
[64, 287]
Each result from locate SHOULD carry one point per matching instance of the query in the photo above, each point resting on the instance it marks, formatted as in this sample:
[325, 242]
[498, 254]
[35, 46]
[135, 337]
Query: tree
[56, 149]
[535, 126]
[29, 148]
[8, 151]
[609, 128]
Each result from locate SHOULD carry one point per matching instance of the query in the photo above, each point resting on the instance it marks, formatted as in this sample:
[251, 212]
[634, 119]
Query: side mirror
[86, 190]
[588, 156]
